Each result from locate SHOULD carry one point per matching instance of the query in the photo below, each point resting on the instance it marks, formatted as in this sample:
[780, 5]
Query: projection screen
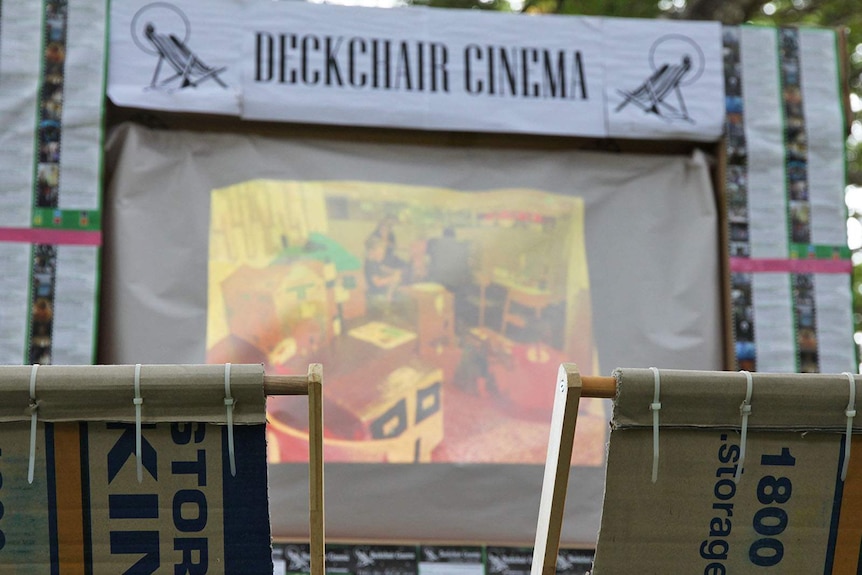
[440, 286]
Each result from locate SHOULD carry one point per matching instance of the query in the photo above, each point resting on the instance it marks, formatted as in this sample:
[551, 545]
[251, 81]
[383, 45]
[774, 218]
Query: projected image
[440, 317]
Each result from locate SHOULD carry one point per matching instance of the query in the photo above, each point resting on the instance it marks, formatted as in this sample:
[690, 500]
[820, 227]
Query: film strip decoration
[52, 250]
[798, 202]
[47, 181]
[736, 186]
[293, 559]
[44, 279]
[785, 218]
[55, 19]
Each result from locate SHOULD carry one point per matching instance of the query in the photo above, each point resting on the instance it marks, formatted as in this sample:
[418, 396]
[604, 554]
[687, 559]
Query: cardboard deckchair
[145, 468]
[188, 68]
[715, 472]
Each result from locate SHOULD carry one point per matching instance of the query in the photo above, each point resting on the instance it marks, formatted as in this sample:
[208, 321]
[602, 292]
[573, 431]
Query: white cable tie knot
[229, 405]
[34, 416]
[138, 401]
[655, 407]
[850, 412]
[744, 411]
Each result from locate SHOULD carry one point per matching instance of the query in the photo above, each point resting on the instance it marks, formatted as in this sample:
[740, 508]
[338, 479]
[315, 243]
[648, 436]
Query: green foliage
[498, 5]
[614, 8]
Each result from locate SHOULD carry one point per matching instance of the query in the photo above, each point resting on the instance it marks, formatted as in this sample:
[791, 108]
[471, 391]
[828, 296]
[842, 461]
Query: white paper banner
[19, 85]
[423, 68]
[420, 68]
[833, 301]
[75, 305]
[764, 137]
[181, 56]
[773, 315]
[824, 133]
[14, 313]
[663, 80]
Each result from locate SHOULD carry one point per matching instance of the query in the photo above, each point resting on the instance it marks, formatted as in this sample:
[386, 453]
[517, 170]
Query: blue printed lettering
[137, 506]
[124, 449]
[182, 433]
[144, 543]
[719, 527]
[771, 520]
[197, 467]
[194, 498]
[728, 453]
[189, 547]
[724, 489]
[190, 511]
[714, 549]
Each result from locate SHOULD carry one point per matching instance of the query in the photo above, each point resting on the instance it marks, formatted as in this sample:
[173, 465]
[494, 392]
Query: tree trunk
[725, 11]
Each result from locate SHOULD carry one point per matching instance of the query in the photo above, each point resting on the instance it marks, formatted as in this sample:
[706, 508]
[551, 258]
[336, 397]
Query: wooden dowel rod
[593, 385]
[285, 384]
[598, 386]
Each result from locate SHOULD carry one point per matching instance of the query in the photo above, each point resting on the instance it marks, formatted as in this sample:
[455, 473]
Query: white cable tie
[745, 411]
[655, 407]
[34, 408]
[229, 403]
[850, 412]
[138, 401]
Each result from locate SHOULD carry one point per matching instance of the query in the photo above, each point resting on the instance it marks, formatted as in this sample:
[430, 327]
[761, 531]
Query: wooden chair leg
[557, 464]
[315, 468]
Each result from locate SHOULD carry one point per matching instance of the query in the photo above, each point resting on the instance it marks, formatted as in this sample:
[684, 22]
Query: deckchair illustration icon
[652, 96]
[189, 70]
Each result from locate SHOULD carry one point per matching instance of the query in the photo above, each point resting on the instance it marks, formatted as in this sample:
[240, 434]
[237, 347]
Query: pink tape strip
[48, 236]
[812, 266]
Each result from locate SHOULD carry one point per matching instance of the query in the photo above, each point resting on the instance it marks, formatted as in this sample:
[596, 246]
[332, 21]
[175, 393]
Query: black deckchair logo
[163, 30]
[676, 61]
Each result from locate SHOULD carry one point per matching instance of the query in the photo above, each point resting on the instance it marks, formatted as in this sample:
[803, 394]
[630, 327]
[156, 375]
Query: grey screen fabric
[651, 232]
